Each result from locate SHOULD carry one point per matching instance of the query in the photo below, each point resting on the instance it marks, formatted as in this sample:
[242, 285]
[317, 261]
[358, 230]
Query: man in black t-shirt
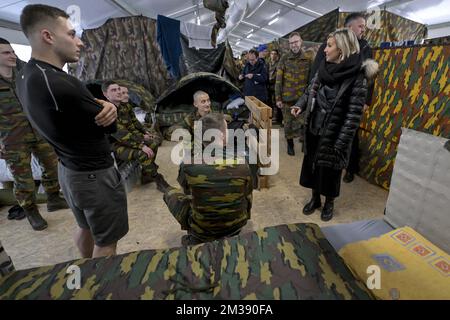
[65, 113]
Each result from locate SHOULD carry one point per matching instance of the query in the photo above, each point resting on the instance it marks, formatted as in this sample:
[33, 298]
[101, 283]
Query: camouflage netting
[124, 48]
[411, 91]
[127, 48]
[389, 27]
[284, 262]
[319, 29]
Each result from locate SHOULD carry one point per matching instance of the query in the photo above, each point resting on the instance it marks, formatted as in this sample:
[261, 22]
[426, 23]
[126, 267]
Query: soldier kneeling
[216, 199]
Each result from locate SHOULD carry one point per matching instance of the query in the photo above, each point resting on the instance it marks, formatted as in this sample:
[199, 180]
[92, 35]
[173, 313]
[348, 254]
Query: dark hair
[212, 121]
[276, 50]
[253, 51]
[4, 41]
[34, 13]
[106, 84]
[352, 17]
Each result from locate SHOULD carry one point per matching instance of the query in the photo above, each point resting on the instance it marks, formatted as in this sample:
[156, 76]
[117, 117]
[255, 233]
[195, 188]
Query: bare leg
[105, 251]
[84, 242]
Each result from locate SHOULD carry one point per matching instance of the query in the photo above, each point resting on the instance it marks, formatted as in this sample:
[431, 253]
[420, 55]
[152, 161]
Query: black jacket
[342, 120]
[366, 53]
[257, 86]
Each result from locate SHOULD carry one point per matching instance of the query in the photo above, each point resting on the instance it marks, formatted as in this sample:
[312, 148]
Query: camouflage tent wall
[124, 48]
[387, 27]
[127, 48]
[411, 91]
[318, 29]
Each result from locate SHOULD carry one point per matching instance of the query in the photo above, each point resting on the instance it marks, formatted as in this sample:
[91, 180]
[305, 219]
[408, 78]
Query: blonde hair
[346, 41]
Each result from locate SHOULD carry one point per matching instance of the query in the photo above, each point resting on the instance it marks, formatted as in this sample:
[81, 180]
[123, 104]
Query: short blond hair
[346, 41]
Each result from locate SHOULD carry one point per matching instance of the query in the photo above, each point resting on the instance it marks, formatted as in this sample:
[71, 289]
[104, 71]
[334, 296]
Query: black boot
[290, 147]
[328, 208]
[147, 178]
[55, 202]
[348, 177]
[34, 217]
[313, 204]
[161, 183]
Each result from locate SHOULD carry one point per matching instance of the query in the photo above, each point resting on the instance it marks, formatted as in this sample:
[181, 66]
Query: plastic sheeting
[201, 60]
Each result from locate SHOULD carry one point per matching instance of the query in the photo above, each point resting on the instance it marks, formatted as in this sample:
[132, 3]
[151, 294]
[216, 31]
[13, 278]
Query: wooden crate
[261, 117]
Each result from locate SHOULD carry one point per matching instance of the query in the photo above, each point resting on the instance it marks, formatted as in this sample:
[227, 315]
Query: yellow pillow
[409, 266]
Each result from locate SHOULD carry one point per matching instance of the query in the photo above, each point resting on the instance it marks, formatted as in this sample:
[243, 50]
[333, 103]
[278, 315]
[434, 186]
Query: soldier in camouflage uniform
[292, 80]
[18, 140]
[131, 141]
[216, 199]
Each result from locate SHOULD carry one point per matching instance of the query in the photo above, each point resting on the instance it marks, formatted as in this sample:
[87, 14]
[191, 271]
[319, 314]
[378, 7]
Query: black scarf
[334, 73]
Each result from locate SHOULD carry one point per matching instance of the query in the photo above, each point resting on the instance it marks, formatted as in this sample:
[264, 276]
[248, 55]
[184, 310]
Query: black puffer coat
[343, 119]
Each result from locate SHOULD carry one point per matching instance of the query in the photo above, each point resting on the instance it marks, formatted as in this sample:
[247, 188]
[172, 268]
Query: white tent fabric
[199, 36]
[5, 174]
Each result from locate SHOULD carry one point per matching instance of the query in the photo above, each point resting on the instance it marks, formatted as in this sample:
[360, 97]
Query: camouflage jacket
[292, 76]
[130, 132]
[189, 120]
[14, 125]
[273, 72]
[221, 198]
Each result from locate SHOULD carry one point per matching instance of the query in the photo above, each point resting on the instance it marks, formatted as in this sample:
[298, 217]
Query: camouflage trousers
[157, 136]
[6, 265]
[18, 159]
[179, 205]
[127, 154]
[293, 127]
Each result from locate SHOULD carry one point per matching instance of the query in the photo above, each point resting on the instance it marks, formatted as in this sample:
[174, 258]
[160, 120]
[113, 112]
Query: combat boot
[313, 204]
[161, 183]
[327, 211]
[55, 202]
[34, 217]
[147, 178]
[290, 147]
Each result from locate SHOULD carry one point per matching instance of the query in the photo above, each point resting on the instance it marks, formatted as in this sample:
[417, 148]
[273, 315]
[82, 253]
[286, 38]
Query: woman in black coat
[333, 103]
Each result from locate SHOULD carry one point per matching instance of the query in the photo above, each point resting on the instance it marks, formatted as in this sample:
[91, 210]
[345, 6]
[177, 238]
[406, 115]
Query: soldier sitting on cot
[217, 196]
[129, 143]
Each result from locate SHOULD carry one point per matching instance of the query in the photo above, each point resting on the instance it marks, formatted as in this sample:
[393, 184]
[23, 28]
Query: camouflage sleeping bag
[286, 262]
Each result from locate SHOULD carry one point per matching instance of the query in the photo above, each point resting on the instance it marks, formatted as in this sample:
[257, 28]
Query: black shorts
[98, 200]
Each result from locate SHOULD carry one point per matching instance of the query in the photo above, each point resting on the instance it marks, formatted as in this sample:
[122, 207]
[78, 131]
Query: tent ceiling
[291, 13]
